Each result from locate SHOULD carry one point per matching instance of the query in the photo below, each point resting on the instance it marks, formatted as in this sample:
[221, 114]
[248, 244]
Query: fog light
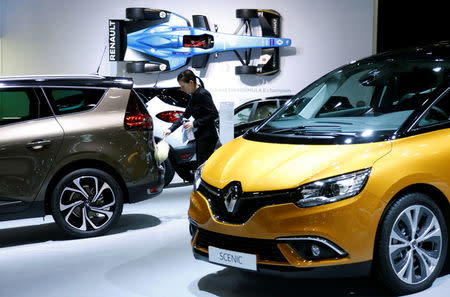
[315, 250]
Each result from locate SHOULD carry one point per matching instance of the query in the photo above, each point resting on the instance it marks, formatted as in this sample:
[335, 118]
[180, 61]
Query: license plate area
[232, 258]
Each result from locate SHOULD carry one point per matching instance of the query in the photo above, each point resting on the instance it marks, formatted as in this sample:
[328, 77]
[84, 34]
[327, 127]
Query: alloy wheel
[415, 244]
[87, 203]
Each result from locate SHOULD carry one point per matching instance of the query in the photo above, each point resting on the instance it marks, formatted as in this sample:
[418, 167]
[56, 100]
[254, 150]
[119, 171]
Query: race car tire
[137, 67]
[245, 70]
[135, 13]
[139, 14]
[246, 13]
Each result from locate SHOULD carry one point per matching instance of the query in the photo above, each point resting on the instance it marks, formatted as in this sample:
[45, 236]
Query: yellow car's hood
[261, 166]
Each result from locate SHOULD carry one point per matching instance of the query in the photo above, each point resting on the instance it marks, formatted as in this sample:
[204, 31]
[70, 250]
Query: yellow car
[351, 176]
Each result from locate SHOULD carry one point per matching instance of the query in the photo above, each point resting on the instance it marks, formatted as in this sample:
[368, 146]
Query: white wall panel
[66, 37]
[2, 10]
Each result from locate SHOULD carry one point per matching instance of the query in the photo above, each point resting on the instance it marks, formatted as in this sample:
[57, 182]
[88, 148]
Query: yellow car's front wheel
[412, 245]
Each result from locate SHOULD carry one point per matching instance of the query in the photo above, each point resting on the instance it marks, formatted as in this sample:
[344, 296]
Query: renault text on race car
[159, 40]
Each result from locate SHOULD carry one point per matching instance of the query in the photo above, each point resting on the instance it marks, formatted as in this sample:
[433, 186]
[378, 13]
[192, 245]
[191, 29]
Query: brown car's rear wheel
[87, 202]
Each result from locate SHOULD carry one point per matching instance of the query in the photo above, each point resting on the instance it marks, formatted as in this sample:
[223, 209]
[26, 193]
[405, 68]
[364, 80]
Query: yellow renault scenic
[351, 176]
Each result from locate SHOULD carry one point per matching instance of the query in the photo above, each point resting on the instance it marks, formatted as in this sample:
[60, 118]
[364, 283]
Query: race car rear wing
[270, 22]
[269, 61]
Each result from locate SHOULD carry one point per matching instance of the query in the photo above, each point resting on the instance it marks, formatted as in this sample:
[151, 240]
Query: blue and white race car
[154, 40]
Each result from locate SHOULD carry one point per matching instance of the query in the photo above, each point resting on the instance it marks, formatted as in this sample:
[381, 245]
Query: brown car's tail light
[169, 116]
[138, 121]
[136, 116]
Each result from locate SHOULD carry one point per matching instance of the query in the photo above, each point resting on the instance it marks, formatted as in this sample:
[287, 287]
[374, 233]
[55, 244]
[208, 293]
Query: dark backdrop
[411, 23]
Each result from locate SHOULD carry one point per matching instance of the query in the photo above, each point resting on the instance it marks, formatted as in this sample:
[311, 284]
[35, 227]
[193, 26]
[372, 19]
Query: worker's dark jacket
[202, 108]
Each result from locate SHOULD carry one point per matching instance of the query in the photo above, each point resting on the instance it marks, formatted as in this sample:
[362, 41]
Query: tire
[90, 214]
[169, 172]
[245, 70]
[246, 13]
[408, 260]
[139, 14]
[136, 67]
[134, 13]
[145, 67]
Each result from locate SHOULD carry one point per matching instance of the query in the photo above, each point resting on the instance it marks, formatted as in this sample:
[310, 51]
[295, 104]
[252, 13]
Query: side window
[242, 116]
[265, 109]
[68, 100]
[17, 105]
[438, 113]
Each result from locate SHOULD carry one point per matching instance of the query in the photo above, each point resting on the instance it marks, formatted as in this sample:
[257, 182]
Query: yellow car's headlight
[198, 177]
[333, 189]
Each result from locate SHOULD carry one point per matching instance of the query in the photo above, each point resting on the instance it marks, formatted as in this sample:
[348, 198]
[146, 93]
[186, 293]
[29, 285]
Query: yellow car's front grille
[245, 204]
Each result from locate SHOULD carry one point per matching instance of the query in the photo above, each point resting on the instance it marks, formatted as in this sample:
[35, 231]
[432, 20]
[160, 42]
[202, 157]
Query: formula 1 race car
[154, 40]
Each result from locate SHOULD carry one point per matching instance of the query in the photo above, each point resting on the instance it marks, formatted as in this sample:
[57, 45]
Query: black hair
[187, 75]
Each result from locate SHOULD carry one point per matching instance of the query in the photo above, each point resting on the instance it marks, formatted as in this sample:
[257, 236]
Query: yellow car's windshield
[360, 99]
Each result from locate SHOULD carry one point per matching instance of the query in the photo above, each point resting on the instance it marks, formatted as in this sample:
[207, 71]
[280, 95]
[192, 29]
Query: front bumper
[282, 236]
[341, 271]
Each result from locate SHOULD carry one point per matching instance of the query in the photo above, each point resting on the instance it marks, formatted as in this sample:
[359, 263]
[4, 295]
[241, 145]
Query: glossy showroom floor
[147, 254]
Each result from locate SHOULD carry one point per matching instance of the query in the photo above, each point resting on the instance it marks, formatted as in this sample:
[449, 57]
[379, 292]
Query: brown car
[76, 148]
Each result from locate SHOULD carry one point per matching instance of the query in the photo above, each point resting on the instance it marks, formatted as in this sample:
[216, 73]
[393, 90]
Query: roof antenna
[99, 64]
[157, 78]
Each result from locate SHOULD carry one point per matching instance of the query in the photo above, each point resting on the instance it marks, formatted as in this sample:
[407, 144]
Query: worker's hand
[188, 125]
[166, 133]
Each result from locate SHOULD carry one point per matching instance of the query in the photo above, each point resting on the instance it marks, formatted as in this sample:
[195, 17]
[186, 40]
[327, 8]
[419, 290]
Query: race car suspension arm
[248, 27]
[248, 53]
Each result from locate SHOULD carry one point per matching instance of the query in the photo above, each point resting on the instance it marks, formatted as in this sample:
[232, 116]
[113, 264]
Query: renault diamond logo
[231, 196]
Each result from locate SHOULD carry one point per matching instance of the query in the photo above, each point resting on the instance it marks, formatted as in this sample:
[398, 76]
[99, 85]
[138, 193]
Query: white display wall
[68, 37]
[1, 33]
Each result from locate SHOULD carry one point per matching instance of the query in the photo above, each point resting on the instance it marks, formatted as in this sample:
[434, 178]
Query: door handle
[38, 144]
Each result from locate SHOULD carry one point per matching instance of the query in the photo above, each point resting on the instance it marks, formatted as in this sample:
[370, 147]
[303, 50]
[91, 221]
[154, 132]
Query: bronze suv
[76, 148]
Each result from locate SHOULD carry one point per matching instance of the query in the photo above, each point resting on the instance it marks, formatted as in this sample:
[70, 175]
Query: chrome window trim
[8, 203]
[50, 76]
[414, 127]
[71, 87]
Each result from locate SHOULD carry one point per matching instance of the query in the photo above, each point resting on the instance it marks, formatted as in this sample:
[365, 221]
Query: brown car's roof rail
[68, 80]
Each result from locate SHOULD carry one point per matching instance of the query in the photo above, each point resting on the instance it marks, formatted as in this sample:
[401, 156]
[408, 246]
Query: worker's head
[187, 81]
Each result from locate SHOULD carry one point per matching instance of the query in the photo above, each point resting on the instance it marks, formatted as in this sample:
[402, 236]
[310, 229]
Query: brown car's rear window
[68, 100]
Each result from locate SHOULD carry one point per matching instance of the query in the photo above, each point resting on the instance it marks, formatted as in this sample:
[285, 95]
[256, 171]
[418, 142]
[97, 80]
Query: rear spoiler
[270, 22]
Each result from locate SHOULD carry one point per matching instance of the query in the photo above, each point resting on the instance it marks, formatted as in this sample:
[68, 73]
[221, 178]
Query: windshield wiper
[310, 131]
[301, 129]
